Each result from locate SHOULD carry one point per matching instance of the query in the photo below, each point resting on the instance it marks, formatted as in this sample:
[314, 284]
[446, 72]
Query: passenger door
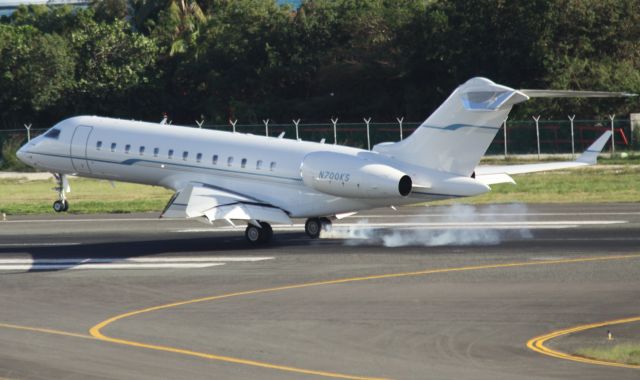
[78, 150]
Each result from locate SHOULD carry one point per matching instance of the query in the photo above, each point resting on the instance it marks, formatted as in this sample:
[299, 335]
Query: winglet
[590, 156]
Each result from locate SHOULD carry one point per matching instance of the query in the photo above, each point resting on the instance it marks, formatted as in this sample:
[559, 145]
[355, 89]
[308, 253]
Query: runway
[419, 293]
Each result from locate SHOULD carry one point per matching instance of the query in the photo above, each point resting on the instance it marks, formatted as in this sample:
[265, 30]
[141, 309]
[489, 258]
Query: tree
[111, 62]
[36, 70]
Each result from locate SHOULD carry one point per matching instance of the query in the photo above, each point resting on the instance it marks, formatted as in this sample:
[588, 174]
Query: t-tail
[456, 136]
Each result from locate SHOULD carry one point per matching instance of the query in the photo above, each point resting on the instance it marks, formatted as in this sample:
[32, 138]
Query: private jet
[260, 180]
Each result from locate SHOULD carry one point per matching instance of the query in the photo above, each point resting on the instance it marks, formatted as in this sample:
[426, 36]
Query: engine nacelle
[352, 177]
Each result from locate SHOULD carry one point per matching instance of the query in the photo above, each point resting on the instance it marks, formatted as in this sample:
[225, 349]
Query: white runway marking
[408, 216]
[119, 263]
[107, 266]
[8, 245]
[437, 225]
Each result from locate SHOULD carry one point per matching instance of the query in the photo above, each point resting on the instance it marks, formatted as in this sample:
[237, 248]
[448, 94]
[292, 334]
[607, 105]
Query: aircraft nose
[21, 154]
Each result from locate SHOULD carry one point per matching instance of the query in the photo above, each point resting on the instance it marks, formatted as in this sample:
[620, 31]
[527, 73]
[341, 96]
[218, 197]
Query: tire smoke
[461, 225]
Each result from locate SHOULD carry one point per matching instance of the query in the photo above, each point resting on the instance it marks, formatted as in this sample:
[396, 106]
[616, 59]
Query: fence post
[335, 134]
[28, 127]
[613, 136]
[200, 123]
[573, 146]
[367, 121]
[537, 133]
[233, 124]
[400, 120]
[505, 138]
[296, 122]
[266, 127]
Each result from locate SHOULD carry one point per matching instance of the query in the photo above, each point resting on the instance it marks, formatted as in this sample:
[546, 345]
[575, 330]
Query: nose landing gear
[60, 205]
[62, 187]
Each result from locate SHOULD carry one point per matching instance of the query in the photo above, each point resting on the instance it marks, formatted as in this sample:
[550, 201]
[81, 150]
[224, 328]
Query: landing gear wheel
[60, 206]
[256, 235]
[267, 232]
[252, 234]
[312, 227]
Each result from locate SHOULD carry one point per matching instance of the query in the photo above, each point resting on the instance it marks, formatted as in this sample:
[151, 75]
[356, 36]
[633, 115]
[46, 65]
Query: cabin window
[127, 148]
[52, 134]
[273, 165]
[113, 147]
[214, 160]
[170, 153]
[199, 157]
[156, 151]
[259, 165]
[185, 155]
[98, 145]
[141, 150]
[229, 160]
[243, 163]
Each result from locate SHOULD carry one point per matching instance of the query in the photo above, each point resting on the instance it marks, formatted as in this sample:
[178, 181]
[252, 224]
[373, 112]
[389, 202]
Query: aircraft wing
[490, 175]
[202, 200]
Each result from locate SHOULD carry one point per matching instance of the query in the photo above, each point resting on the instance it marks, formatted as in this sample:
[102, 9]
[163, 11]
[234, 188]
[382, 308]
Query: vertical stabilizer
[458, 133]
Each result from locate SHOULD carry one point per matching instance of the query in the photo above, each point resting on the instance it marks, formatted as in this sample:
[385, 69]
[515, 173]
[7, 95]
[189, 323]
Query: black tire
[267, 232]
[253, 234]
[66, 205]
[59, 206]
[312, 227]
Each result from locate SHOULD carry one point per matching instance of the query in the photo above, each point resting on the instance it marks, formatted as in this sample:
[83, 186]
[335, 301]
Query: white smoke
[461, 225]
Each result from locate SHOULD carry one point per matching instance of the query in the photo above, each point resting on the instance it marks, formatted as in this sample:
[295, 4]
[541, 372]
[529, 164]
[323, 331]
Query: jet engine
[353, 177]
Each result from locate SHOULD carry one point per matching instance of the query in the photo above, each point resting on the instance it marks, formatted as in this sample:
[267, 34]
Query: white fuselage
[266, 168]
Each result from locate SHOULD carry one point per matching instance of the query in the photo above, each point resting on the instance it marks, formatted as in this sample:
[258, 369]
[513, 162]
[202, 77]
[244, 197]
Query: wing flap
[200, 200]
[241, 211]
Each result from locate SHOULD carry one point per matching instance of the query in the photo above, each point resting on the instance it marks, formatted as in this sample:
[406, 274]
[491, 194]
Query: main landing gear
[258, 235]
[314, 226]
[62, 187]
[263, 234]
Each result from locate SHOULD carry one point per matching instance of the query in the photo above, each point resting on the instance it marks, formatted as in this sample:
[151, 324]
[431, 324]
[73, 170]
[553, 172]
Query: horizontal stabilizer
[485, 174]
[574, 94]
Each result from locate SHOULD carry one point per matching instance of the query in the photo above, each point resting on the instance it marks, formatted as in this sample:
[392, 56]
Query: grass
[620, 158]
[627, 353]
[86, 196]
[593, 184]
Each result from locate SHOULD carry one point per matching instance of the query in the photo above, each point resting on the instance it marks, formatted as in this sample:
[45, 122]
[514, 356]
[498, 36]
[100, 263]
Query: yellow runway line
[45, 331]
[537, 344]
[96, 331]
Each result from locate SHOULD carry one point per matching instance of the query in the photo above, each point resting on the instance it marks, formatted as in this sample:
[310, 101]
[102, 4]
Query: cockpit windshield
[53, 133]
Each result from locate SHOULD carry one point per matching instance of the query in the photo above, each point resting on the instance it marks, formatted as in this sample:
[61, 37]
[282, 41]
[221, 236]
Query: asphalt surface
[456, 293]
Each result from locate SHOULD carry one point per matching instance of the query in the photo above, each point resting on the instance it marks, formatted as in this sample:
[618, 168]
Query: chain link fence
[521, 138]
